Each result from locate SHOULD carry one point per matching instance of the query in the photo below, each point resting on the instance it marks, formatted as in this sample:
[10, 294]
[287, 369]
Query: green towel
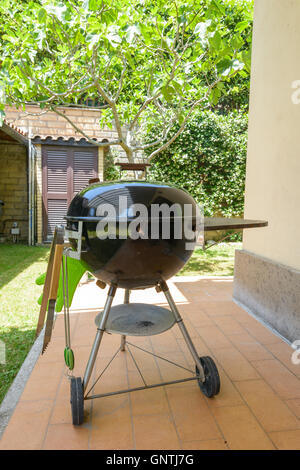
[76, 270]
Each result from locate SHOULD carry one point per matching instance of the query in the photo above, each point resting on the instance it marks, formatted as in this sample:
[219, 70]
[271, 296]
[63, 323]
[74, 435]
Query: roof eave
[22, 139]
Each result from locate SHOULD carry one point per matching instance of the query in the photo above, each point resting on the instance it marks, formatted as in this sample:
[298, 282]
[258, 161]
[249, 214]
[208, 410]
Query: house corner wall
[267, 270]
[14, 188]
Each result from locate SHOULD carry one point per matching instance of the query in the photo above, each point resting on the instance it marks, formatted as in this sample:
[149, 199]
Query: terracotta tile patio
[258, 406]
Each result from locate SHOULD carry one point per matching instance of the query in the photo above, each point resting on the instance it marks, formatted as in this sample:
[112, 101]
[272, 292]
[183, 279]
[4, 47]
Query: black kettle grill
[119, 260]
[126, 262]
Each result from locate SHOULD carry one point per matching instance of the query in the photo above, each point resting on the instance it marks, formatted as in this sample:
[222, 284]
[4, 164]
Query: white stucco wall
[273, 163]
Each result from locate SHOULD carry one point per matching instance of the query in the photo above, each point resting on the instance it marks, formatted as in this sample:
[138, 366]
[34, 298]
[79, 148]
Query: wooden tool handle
[46, 287]
[56, 272]
[58, 241]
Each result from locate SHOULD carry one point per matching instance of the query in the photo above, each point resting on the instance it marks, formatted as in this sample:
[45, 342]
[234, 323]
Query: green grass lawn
[215, 261]
[20, 265]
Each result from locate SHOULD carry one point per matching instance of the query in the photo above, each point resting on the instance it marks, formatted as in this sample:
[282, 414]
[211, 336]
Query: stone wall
[270, 291]
[13, 188]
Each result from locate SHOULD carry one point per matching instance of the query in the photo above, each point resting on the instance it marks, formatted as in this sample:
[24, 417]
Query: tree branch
[154, 97]
[121, 79]
[80, 131]
[181, 128]
[53, 94]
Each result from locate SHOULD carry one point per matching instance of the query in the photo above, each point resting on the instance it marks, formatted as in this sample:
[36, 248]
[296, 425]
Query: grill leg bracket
[145, 386]
[164, 287]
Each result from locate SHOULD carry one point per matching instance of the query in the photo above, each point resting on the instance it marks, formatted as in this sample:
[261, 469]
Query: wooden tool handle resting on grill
[56, 271]
[52, 275]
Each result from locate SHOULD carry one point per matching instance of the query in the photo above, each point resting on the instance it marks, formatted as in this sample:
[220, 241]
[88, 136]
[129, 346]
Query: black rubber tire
[211, 386]
[77, 402]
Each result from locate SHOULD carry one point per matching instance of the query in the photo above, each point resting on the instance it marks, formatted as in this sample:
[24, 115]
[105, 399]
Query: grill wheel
[77, 402]
[211, 386]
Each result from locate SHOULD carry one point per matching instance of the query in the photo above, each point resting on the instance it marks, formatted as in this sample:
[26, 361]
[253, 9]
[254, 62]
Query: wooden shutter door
[85, 163]
[66, 170]
[55, 187]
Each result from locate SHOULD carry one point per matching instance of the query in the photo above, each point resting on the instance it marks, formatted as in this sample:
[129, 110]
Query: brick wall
[48, 123]
[13, 187]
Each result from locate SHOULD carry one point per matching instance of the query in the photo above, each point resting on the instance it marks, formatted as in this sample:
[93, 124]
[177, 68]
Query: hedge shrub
[208, 160]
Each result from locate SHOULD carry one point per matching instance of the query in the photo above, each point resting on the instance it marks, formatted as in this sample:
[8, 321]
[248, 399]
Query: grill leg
[123, 342]
[99, 335]
[126, 301]
[183, 329]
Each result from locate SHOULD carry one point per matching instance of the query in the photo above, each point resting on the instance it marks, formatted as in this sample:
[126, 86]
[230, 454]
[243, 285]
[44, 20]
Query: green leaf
[215, 41]
[168, 92]
[224, 66]
[236, 42]
[242, 25]
[42, 15]
[129, 59]
[246, 57]
[177, 87]
[219, 6]
[10, 38]
[93, 5]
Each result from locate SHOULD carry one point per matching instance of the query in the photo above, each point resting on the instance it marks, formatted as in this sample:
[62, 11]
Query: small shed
[62, 159]
[14, 148]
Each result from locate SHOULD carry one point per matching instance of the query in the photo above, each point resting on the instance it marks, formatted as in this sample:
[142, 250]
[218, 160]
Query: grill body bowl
[131, 264]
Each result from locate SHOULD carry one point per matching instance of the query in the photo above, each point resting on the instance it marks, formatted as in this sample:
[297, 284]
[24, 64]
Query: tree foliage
[146, 62]
[208, 160]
